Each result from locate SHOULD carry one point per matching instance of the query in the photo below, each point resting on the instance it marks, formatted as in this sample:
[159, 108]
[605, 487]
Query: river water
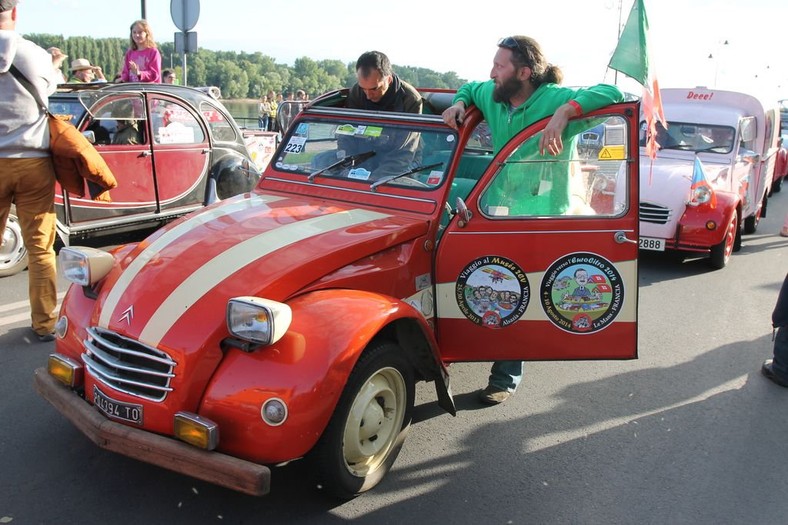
[244, 111]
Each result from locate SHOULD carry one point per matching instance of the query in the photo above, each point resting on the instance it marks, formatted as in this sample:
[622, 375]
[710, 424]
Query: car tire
[369, 424]
[751, 222]
[721, 253]
[13, 254]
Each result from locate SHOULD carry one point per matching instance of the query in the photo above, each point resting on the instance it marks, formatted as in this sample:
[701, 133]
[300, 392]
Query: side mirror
[464, 213]
[90, 135]
[750, 157]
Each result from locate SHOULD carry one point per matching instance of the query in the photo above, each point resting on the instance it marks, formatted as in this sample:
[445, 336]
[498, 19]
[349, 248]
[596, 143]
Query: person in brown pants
[27, 177]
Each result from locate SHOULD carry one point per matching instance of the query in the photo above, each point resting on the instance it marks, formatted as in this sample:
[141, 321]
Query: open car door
[543, 263]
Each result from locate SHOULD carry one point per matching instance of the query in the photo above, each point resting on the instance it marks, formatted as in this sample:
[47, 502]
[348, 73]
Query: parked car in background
[172, 149]
[294, 321]
[703, 207]
[781, 164]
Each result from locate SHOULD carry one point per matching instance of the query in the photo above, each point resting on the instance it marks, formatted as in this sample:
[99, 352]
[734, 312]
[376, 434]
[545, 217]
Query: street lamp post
[717, 59]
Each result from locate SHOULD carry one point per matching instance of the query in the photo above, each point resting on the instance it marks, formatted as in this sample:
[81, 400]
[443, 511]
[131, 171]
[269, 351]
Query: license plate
[117, 409]
[647, 243]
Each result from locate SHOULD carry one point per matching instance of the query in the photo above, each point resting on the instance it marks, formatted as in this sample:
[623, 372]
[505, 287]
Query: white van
[735, 137]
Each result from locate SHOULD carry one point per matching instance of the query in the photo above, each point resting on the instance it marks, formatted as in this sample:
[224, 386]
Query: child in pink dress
[143, 60]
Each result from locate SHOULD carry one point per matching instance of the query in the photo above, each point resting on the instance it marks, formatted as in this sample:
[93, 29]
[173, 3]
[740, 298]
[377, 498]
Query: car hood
[172, 288]
[665, 181]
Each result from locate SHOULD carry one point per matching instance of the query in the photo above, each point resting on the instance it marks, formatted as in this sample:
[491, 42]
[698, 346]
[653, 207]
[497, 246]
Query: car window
[587, 178]
[221, 128]
[172, 123]
[692, 136]
[70, 107]
[118, 119]
[367, 153]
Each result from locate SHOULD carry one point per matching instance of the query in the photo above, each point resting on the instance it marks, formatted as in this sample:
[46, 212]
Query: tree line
[237, 74]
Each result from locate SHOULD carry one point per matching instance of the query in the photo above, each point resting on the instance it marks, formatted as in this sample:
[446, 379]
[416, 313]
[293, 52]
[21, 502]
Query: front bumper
[213, 467]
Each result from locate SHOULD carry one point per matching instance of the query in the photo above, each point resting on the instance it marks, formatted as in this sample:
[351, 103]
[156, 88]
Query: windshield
[690, 136]
[67, 106]
[401, 154]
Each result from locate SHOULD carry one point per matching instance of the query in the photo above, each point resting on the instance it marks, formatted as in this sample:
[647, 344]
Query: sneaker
[45, 338]
[784, 232]
[493, 395]
[768, 372]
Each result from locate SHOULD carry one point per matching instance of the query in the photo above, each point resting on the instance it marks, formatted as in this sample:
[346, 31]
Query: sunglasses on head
[510, 43]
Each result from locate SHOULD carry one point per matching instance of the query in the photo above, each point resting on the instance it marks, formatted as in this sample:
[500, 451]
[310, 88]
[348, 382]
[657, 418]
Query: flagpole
[618, 36]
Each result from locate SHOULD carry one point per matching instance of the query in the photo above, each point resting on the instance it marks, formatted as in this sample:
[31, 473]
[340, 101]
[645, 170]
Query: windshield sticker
[365, 131]
[295, 144]
[359, 174]
[302, 129]
[582, 293]
[434, 178]
[493, 291]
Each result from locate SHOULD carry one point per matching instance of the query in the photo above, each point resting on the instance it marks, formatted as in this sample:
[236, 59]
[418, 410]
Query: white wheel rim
[13, 248]
[374, 421]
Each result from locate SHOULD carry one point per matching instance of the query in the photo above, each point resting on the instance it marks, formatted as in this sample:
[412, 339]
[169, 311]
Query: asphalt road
[688, 433]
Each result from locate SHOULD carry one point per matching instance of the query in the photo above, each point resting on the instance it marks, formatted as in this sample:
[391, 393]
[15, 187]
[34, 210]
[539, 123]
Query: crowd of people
[141, 63]
[284, 105]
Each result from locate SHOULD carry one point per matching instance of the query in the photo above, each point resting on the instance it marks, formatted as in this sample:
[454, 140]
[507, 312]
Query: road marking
[24, 315]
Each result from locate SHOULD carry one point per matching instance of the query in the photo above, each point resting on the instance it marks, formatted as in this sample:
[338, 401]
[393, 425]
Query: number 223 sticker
[295, 145]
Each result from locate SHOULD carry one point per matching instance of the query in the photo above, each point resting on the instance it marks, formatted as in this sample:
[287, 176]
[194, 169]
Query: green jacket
[531, 184]
[542, 103]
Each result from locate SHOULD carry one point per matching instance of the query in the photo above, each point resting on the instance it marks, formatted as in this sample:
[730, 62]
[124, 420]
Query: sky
[693, 42]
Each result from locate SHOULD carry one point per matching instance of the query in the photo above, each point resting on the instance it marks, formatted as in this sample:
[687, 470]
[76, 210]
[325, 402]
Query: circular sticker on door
[582, 293]
[492, 291]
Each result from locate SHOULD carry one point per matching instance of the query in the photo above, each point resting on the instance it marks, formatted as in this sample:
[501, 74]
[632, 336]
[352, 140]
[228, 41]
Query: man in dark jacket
[379, 89]
[776, 368]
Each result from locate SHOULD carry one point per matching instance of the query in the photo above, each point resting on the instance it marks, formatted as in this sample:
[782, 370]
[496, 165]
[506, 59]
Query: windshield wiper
[386, 180]
[344, 162]
[680, 147]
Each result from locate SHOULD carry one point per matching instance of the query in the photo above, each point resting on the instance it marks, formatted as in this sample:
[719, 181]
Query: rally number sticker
[295, 145]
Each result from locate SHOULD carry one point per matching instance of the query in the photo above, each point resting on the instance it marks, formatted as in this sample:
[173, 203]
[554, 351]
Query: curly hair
[528, 53]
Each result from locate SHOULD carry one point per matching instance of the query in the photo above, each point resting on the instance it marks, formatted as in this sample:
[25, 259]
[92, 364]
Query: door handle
[206, 150]
[621, 238]
[145, 154]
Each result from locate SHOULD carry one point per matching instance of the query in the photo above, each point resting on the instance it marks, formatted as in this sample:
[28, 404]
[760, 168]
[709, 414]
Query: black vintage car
[172, 149]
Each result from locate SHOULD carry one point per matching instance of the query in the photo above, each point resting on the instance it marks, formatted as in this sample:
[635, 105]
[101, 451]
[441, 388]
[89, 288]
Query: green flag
[631, 54]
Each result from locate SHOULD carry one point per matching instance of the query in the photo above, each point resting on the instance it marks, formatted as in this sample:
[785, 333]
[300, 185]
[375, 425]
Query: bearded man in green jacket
[523, 89]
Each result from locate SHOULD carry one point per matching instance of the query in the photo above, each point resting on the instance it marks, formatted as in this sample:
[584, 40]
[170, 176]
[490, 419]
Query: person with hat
[27, 175]
[82, 72]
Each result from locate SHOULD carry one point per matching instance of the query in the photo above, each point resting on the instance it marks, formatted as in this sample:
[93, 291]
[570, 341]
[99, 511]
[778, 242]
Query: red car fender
[80, 311]
[692, 227]
[307, 369]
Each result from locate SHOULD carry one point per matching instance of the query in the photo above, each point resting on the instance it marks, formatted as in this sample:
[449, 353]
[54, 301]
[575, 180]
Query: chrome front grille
[128, 365]
[654, 213]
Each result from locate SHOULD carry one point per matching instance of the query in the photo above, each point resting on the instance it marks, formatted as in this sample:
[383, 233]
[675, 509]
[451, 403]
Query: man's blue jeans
[506, 375]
